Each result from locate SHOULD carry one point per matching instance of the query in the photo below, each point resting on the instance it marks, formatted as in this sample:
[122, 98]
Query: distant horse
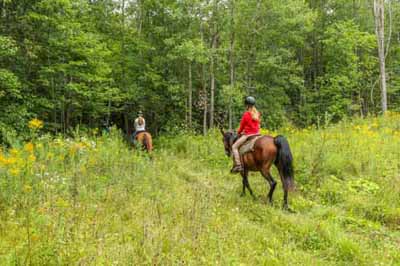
[267, 150]
[145, 140]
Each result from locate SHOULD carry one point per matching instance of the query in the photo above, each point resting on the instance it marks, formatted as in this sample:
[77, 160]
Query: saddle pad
[248, 145]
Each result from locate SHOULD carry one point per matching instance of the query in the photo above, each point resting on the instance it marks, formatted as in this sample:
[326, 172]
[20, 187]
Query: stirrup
[237, 169]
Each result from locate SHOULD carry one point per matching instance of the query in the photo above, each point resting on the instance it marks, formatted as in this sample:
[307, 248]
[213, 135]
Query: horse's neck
[235, 137]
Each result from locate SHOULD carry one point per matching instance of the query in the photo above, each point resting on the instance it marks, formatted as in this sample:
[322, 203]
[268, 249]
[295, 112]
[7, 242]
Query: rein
[233, 138]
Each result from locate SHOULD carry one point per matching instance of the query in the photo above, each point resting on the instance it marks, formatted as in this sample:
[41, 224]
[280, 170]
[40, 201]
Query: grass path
[95, 202]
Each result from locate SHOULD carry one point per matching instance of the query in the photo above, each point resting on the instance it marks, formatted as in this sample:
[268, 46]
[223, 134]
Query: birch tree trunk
[212, 62]
[379, 14]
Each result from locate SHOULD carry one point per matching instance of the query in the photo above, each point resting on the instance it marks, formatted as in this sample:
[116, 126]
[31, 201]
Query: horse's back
[266, 142]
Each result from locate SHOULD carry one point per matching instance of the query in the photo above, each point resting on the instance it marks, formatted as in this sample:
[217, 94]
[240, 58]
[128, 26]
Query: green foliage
[350, 64]
[86, 62]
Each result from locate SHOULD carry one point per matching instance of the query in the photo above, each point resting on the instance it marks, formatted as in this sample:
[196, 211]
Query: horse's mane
[231, 137]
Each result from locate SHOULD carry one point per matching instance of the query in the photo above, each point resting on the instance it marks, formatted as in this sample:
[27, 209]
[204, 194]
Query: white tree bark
[379, 14]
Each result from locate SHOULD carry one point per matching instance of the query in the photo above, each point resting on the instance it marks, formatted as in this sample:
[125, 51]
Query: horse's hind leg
[272, 183]
[285, 205]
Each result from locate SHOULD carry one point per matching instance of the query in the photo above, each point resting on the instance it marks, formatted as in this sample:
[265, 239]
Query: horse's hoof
[287, 209]
[242, 194]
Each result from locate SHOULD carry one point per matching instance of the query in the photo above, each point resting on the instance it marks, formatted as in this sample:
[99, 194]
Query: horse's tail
[284, 161]
[144, 141]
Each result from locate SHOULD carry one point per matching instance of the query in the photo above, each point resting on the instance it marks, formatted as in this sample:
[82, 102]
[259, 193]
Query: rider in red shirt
[249, 126]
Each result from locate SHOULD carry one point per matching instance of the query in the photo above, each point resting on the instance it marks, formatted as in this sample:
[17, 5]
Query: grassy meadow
[91, 200]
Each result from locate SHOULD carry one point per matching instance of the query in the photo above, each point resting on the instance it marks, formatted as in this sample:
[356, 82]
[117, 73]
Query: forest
[187, 64]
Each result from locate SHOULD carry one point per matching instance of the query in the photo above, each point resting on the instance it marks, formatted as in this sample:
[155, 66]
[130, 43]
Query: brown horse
[146, 141]
[266, 152]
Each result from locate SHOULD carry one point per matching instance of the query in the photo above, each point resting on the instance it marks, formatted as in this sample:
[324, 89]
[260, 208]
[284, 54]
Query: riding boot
[236, 155]
[236, 169]
[237, 166]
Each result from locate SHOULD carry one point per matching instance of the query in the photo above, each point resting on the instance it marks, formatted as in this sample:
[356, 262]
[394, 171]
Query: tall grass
[93, 201]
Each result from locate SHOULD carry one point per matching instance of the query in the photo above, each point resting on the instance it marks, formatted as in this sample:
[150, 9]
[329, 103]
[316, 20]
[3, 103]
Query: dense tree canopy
[188, 63]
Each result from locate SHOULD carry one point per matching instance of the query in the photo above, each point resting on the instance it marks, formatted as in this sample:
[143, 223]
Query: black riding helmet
[250, 100]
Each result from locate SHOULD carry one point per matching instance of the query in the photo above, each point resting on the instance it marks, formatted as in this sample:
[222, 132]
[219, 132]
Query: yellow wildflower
[35, 237]
[10, 161]
[31, 158]
[3, 160]
[35, 124]
[76, 147]
[14, 152]
[27, 189]
[29, 147]
[14, 171]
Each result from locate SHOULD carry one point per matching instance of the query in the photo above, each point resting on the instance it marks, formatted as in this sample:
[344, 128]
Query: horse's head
[228, 138]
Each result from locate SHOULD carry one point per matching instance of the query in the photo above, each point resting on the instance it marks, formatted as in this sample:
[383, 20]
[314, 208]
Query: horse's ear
[222, 131]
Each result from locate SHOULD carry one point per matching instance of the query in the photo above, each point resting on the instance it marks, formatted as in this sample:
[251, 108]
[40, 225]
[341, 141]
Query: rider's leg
[236, 156]
[133, 137]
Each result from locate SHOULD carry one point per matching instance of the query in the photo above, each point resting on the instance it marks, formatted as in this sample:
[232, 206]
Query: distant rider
[249, 126]
[139, 124]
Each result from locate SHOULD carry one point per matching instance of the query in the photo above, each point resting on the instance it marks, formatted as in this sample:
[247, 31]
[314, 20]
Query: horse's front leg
[245, 182]
[243, 187]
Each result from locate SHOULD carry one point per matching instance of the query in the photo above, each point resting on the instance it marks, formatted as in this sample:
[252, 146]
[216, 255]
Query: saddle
[248, 146]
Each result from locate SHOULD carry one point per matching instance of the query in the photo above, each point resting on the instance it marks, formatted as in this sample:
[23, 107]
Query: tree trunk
[212, 86]
[123, 64]
[126, 122]
[204, 89]
[190, 95]
[379, 14]
[212, 63]
[108, 112]
[139, 17]
[123, 43]
[232, 63]
[205, 102]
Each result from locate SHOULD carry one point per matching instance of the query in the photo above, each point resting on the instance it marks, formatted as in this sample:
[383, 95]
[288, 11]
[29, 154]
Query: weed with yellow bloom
[35, 124]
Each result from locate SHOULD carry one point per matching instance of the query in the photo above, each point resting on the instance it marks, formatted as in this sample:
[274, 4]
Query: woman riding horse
[141, 135]
[249, 126]
[139, 124]
[266, 152]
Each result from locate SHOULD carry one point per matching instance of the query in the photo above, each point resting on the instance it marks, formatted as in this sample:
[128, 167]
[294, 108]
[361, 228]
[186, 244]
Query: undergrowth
[94, 201]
